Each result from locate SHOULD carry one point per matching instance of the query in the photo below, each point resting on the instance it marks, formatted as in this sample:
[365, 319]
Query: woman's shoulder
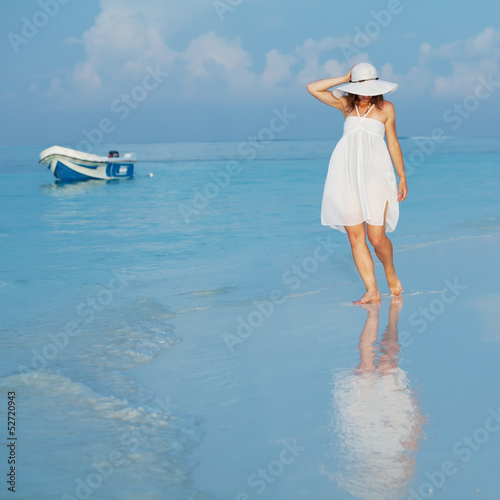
[387, 109]
[387, 105]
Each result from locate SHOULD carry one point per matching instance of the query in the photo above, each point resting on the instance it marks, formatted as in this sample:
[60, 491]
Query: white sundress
[360, 178]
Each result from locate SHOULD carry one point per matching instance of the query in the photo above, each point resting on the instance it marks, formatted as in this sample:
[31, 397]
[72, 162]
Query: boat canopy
[79, 155]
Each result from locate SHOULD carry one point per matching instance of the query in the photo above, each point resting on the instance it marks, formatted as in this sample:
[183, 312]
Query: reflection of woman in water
[376, 415]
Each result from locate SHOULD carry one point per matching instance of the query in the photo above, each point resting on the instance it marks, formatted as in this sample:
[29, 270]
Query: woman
[361, 195]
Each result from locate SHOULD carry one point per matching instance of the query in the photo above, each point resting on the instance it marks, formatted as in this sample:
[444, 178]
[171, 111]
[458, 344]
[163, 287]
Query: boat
[69, 165]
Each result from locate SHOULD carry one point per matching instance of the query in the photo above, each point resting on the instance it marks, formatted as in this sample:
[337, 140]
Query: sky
[117, 71]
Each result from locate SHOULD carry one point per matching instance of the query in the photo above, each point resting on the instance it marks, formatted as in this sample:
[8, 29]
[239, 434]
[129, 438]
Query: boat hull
[69, 171]
[73, 169]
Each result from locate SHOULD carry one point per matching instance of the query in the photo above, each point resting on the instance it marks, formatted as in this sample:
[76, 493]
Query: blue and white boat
[69, 165]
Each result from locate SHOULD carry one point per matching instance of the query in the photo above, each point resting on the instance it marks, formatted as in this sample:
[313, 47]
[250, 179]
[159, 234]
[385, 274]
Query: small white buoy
[150, 174]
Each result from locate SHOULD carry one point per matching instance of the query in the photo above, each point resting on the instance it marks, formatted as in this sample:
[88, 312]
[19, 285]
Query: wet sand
[325, 399]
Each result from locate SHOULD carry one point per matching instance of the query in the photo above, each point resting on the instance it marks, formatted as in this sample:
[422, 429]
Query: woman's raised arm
[319, 89]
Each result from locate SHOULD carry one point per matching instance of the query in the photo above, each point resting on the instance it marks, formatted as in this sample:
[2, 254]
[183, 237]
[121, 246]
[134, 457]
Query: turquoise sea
[189, 333]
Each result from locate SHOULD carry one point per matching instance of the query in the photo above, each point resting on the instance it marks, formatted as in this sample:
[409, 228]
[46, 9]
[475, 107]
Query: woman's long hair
[353, 99]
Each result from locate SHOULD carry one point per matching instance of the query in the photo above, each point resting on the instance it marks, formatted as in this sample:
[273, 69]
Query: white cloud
[278, 69]
[449, 71]
[210, 56]
[86, 77]
[312, 48]
[486, 44]
[416, 83]
[468, 59]
[125, 39]
[128, 36]
[166, 16]
[310, 53]
[446, 51]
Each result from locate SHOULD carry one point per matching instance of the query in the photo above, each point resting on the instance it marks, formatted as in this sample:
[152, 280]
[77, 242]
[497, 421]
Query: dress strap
[368, 110]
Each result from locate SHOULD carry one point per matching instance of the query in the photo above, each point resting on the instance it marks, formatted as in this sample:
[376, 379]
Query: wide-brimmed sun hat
[365, 81]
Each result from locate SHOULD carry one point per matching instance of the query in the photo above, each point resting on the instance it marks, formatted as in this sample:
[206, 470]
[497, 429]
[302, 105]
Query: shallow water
[190, 334]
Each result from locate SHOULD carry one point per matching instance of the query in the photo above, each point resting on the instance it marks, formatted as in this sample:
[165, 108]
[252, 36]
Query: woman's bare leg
[364, 262]
[383, 248]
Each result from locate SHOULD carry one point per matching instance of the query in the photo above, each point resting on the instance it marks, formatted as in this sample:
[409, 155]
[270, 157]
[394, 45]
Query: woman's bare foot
[395, 287]
[393, 282]
[369, 296]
